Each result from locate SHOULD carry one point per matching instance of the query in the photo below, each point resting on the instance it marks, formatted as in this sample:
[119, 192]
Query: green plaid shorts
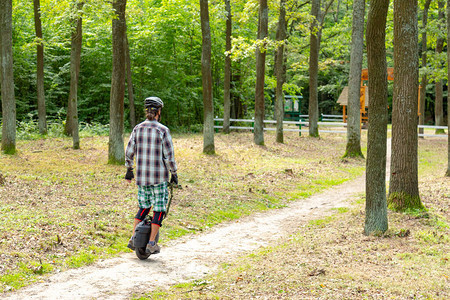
[153, 195]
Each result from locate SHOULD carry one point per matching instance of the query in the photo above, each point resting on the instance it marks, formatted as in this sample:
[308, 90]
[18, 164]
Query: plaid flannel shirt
[151, 143]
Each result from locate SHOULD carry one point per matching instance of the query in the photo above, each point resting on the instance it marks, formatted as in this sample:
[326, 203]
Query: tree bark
[116, 153]
[354, 82]
[7, 79]
[72, 110]
[403, 188]
[424, 82]
[208, 107]
[227, 73]
[439, 103]
[42, 118]
[1, 49]
[313, 108]
[130, 84]
[376, 209]
[448, 100]
[237, 108]
[263, 24]
[336, 15]
[75, 61]
[279, 72]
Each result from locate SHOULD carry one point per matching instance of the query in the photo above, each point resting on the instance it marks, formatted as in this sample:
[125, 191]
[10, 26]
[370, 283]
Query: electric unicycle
[142, 236]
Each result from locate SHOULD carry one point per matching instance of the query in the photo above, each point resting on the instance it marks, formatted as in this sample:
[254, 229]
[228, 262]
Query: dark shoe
[131, 244]
[152, 249]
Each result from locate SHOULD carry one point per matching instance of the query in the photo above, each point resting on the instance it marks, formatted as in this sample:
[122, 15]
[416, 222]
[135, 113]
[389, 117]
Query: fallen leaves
[317, 272]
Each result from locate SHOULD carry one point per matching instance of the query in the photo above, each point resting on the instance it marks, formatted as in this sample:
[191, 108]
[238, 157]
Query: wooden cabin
[363, 100]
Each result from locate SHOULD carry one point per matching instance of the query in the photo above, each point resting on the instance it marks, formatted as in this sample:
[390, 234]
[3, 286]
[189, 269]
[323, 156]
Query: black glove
[129, 174]
[174, 179]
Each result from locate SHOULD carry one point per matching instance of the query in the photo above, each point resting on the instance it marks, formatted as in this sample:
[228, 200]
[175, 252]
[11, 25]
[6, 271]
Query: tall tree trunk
[75, 60]
[448, 98]
[279, 71]
[227, 75]
[7, 79]
[404, 186]
[439, 103]
[72, 110]
[424, 82]
[313, 109]
[1, 49]
[208, 106]
[42, 118]
[116, 153]
[263, 24]
[130, 84]
[237, 108]
[354, 82]
[376, 208]
[448, 112]
[336, 15]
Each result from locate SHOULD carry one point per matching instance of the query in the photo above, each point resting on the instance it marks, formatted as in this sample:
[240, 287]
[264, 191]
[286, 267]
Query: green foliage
[28, 129]
[165, 48]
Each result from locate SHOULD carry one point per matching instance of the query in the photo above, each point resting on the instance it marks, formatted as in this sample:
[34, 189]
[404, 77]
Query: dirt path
[191, 257]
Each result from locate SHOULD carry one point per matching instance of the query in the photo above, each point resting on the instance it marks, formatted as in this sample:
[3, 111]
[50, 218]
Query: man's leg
[158, 217]
[160, 198]
[136, 221]
[141, 214]
[152, 247]
[154, 233]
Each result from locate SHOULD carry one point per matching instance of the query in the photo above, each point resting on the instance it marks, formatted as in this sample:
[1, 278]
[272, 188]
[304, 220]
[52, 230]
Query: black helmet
[153, 102]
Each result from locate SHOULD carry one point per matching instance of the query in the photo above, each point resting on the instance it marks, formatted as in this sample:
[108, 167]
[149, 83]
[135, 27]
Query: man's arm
[169, 154]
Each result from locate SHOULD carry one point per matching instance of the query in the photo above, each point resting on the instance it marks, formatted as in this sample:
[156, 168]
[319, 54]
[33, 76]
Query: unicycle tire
[141, 253]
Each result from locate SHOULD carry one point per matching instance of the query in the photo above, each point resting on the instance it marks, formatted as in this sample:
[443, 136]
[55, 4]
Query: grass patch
[25, 274]
[82, 258]
[321, 223]
[341, 210]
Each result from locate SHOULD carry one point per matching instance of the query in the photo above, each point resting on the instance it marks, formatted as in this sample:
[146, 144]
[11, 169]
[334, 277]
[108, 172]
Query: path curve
[190, 257]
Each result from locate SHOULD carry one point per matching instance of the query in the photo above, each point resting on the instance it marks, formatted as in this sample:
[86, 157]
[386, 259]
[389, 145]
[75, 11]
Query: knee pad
[142, 213]
[158, 218]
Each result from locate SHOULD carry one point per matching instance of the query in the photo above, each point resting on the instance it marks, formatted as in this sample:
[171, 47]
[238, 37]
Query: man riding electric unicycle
[151, 144]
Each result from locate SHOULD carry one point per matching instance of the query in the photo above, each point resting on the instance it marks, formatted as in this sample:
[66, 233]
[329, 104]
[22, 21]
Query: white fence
[432, 127]
[332, 122]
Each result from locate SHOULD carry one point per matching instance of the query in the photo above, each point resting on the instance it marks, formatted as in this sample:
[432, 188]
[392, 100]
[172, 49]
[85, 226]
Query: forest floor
[279, 221]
